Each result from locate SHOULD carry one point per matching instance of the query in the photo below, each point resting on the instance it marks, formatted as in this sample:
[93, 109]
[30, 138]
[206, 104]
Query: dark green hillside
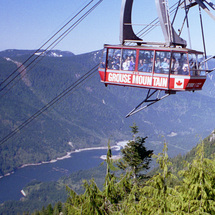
[79, 118]
[38, 195]
[91, 114]
[41, 194]
[209, 151]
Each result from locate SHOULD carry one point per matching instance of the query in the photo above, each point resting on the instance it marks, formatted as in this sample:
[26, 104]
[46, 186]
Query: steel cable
[53, 44]
[51, 103]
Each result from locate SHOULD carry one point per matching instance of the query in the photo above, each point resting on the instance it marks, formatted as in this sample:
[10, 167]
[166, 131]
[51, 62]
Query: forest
[91, 114]
[130, 189]
[86, 115]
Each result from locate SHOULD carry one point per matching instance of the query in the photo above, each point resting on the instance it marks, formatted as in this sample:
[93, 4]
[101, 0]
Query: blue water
[11, 186]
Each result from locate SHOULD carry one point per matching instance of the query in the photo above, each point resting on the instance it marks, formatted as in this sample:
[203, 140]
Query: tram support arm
[210, 70]
[152, 101]
[209, 58]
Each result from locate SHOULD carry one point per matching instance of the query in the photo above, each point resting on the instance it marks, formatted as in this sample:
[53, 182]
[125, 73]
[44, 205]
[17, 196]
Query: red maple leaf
[179, 83]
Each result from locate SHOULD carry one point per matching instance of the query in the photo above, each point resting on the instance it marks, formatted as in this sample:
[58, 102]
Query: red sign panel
[137, 79]
[157, 81]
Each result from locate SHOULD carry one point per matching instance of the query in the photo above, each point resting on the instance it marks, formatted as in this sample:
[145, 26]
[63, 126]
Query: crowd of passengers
[145, 64]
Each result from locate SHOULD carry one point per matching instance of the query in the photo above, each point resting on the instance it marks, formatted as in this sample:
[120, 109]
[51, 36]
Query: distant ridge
[19, 52]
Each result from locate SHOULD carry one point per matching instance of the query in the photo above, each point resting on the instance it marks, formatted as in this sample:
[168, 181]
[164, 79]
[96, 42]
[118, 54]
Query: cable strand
[50, 104]
[65, 33]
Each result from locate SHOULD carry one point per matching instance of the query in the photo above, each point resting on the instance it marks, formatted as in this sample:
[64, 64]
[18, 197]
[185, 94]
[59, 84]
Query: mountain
[91, 114]
[51, 53]
[41, 194]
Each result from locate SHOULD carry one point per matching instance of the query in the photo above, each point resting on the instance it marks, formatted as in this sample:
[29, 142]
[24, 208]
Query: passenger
[185, 70]
[125, 65]
[157, 65]
[165, 66]
[128, 58]
[140, 65]
[102, 65]
[117, 62]
[110, 62]
[174, 66]
[193, 67]
[150, 65]
[200, 72]
[145, 66]
[182, 61]
[113, 63]
[132, 64]
[147, 58]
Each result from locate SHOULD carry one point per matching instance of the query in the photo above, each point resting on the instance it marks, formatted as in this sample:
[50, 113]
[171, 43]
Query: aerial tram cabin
[167, 67]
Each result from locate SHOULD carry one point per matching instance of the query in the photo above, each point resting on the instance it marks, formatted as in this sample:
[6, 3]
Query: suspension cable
[187, 21]
[47, 41]
[153, 23]
[202, 30]
[56, 41]
[65, 92]
[176, 11]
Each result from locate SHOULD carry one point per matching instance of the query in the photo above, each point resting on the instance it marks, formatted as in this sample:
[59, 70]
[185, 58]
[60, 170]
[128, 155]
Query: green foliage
[118, 193]
[157, 196]
[135, 156]
[163, 193]
[89, 116]
[87, 203]
[134, 129]
[94, 201]
[198, 184]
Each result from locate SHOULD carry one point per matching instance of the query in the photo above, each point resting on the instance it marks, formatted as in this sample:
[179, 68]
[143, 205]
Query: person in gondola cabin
[150, 65]
[126, 63]
[117, 62]
[145, 66]
[132, 64]
[173, 66]
[157, 65]
[140, 65]
[165, 66]
[185, 70]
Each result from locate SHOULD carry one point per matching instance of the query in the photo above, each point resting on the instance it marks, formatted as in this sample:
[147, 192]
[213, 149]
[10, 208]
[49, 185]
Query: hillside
[91, 114]
[41, 194]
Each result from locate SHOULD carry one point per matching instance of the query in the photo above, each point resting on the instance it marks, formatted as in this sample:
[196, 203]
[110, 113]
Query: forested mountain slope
[91, 114]
[42, 194]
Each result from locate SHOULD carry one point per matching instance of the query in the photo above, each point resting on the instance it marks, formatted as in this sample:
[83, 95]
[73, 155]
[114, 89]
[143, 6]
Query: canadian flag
[179, 83]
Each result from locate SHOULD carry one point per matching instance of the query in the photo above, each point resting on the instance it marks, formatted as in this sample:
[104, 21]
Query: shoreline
[117, 147]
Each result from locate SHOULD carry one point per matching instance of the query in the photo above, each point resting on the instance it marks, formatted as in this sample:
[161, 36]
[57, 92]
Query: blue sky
[27, 24]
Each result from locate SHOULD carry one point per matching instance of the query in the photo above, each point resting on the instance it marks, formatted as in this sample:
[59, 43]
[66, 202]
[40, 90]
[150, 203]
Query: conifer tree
[135, 156]
[157, 196]
[57, 208]
[134, 130]
[120, 195]
[95, 201]
[111, 194]
[198, 185]
[88, 203]
[49, 210]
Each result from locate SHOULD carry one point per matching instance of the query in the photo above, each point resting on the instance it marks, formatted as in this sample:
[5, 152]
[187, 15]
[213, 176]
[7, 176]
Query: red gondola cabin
[169, 69]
